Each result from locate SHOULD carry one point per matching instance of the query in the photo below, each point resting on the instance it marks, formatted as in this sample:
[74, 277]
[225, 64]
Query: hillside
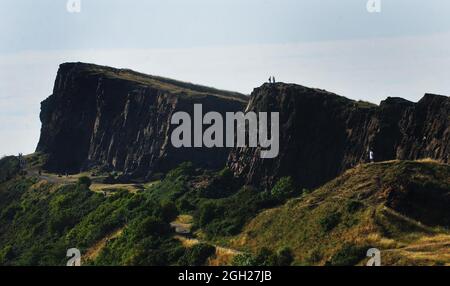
[400, 207]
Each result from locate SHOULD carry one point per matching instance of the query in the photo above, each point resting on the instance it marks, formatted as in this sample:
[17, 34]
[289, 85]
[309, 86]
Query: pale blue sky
[231, 44]
[45, 24]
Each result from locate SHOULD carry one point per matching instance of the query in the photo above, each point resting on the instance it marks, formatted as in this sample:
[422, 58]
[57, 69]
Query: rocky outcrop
[120, 120]
[323, 134]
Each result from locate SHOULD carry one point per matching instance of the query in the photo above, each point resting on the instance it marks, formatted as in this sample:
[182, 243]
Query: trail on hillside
[182, 226]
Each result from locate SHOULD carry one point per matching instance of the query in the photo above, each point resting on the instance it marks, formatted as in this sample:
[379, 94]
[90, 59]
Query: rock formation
[323, 134]
[120, 120]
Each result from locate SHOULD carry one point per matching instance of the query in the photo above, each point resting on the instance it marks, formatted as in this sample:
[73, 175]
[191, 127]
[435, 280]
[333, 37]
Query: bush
[221, 185]
[168, 211]
[207, 214]
[197, 255]
[9, 167]
[265, 257]
[84, 181]
[330, 221]
[349, 254]
[6, 254]
[285, 257]
[352, 206]
[149, 226]
[244, 259]
[283, 189]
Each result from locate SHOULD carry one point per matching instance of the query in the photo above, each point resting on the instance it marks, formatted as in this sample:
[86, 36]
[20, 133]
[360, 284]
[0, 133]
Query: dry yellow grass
[430, 250]
[184, 219]
[223, 257]
[187, 242]
[428, 160]
[95, 249]
[99, 187]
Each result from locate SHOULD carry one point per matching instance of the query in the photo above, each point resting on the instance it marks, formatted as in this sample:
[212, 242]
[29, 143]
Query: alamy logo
[75, 257]
[251, 130]
[375, 257]
[373, 6]
[73, 6]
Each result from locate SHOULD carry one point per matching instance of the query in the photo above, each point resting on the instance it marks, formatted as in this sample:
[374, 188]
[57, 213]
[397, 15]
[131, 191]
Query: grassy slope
[171, 85]
[399, 207]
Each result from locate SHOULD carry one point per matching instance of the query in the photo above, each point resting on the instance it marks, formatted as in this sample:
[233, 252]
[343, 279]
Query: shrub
[244, 259]
[9, 167]
[285, 257]
[207, 214]
[265, 257]
[6, 254]
[84, 181]
[352, 206]
[330, 221]
[283, 189]
[197, 254]
[221, 185]
[149, 226]
[168, 211]
[348, 254]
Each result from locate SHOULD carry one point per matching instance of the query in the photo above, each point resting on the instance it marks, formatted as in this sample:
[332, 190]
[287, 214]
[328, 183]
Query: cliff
[323, 134]
[120, 120]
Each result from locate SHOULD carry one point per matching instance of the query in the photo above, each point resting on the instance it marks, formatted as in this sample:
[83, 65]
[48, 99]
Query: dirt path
[96, 186]
[183, 226]
[51, 178]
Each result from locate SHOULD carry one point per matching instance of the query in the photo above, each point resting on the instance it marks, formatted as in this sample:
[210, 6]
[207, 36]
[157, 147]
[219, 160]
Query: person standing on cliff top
[371, 156]
[273, 79]
[270, 79]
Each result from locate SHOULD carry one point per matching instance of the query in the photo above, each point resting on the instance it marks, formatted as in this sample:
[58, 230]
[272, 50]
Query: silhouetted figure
[21, 161]
[371, 156]
[270, 79]
[273, 79]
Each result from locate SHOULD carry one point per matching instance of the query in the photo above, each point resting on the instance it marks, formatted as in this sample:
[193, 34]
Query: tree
[207, 212]
[283, 189]
[285, 257]
[84, 181]
[168, 211]
[197, 254]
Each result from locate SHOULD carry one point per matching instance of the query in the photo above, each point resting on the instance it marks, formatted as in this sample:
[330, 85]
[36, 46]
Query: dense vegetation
[365, 207]
[386, 205]
[9, 166]
[40, 221]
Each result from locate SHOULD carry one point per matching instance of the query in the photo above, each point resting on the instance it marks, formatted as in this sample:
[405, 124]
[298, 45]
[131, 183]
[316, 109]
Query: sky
[404, 50]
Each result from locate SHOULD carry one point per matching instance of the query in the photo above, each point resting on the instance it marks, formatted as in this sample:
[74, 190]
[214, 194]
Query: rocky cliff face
[323, 134]
[120, 119]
